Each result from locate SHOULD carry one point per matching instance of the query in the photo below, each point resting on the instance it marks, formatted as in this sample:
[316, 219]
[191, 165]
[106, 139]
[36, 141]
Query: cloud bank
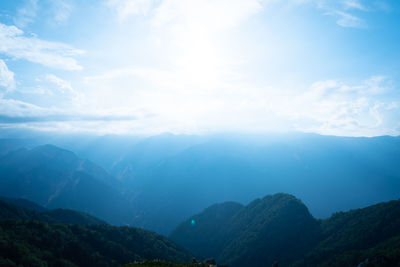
[7, 82]
[16, 45]
[198, 66]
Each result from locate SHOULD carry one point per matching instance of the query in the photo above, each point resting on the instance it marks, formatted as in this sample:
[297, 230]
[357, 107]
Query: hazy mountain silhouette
[162, 180]
[56, 178]
[315, 168]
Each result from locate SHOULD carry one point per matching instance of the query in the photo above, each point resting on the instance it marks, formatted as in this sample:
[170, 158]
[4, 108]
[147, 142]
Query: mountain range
[276, 229]
[156, 182]
[279, 229]
[41, 237]
[57, 178]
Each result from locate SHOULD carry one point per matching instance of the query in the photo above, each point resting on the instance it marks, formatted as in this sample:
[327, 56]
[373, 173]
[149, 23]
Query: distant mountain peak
[265, 224]
[57, 178]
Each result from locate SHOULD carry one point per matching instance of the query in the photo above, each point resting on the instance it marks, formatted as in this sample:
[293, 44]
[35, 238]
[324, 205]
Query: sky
[200, 66]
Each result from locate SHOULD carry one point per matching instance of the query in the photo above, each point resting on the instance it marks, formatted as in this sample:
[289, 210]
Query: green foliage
[23, 203]
[35, 243]
[280, 225]
[10, 211]
[275, 228]
[352, 237]
[203, 234]
[279, 228]
[72, 217]
[165, 264]
[60, 237]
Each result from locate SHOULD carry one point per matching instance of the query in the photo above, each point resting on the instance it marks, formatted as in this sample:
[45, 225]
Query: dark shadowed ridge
[23, 203]
[279, 228]
[70, 238]
[370, 234]
[18, 210]
[243, 236]
[203, 233]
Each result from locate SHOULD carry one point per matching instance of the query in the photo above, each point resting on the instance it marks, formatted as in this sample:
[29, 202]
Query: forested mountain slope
[70, 238]
[278, 228]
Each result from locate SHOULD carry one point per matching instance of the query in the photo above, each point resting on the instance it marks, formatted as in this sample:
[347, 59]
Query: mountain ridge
[167, 178]
[57, 178]
[279, 228]
[55, 238]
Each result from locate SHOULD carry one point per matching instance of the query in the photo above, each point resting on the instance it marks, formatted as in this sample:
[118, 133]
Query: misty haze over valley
[174, 133]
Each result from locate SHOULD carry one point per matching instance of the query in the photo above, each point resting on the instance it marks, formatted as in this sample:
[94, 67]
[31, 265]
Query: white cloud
[62, 10]
[354, 4]
[195, 61]
[341, 10]
[350, 21]
[76, 99]
[218, 13]
[181, 105]
[36, 90]
[63, 85]
[6, 78]
[332, 107]
[33, 10]
[16, 111]
[189, 67]
[26, 14]
[51, 54]
[17, 108]
[326, 107]
[209, 14]
[126, 8]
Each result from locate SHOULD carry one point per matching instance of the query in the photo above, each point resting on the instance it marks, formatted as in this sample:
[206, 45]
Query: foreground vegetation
[165, 264]
[279, 228]
[27, 241]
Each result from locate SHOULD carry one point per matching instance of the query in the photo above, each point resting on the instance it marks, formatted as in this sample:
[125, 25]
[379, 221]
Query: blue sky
[201, 66]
